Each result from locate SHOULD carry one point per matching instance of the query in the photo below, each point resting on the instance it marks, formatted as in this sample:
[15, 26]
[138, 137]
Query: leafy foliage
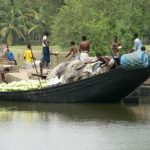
[67, 20]
[101, 20]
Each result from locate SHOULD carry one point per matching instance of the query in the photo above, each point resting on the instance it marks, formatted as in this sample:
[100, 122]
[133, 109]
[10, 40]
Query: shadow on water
[70, 112]
[141, 109]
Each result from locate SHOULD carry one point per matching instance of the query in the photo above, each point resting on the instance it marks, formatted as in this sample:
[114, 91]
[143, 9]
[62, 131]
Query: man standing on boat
[45, 51]
[45, 60]
[116, 46]
[137, 43]
[84, 48]
[73, 51]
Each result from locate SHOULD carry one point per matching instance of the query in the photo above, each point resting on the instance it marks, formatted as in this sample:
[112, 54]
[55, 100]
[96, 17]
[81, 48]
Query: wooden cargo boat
[111, 86]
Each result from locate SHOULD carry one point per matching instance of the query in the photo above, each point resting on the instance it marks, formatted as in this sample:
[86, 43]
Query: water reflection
[142, 109]
[39, 126]
[68, 112]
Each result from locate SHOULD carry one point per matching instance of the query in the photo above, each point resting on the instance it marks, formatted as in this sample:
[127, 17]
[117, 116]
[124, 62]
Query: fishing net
[135, 60]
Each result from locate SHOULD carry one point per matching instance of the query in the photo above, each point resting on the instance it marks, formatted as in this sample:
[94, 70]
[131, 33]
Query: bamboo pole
[36, 69]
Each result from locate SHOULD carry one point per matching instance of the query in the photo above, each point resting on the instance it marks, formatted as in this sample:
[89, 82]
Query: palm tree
[21, 18]
[13, 23]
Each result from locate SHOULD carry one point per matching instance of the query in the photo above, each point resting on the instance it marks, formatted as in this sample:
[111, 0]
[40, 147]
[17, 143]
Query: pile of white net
[66, 72]
[76, 70]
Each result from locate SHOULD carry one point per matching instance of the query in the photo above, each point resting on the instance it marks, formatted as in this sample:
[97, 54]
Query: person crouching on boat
[28, 57]
[98, 65]
[84, 49]
[101, 59]
[73, 51]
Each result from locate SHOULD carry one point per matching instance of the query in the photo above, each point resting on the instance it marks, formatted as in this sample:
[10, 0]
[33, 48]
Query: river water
[38, 126]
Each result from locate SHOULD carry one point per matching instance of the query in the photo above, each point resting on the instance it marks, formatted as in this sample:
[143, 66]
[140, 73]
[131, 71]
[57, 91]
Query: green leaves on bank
[101, 20]
[67, 20]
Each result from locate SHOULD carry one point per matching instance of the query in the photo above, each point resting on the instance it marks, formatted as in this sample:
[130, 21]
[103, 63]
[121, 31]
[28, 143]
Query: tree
[12, 23]
[101, 21]
[22, 18]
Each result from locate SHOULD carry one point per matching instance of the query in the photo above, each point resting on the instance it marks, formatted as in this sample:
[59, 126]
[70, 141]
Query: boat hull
[108, 87]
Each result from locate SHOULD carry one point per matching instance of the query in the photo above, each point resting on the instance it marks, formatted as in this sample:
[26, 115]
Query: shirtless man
[102, 59]
[84, 48]
[73, 51]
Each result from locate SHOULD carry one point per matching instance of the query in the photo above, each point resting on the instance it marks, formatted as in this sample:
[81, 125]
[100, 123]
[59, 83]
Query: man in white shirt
[45, 52]
[137, 43]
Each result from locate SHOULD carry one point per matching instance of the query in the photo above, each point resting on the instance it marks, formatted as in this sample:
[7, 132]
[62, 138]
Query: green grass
[19, 50]
[36, 48]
